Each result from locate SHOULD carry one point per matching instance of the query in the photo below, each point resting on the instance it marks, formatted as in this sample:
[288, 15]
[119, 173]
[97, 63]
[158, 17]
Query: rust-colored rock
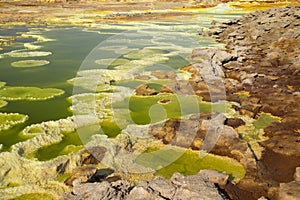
[267, 66]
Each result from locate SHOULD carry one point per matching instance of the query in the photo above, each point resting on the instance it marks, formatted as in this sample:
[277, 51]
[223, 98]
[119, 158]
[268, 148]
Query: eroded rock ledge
[263, 63]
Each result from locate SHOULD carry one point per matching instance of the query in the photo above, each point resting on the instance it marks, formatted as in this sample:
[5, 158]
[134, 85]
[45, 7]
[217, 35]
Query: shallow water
[76, 49]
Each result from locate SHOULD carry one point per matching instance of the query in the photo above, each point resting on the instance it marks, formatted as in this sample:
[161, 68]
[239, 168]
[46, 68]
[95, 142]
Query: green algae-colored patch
[265, 120]
[8, 120]
[156, 86]
[253, 132]
[58, 149]
[174, 62]
[85, 104]
[141, 54]
[33, 130]
[110, 128]
[113, 48]
[13, 184]
[168, 161]
[2, 84]
[177, 106]
[71, 149]
[12, 136]
[29, 63]
[25, 54]
[29, 93]
[64, 177]
[112, 62]
[35, 196]
[131, 83]
[134, 64]
[70, 143]
[243, 94]
[2, 103]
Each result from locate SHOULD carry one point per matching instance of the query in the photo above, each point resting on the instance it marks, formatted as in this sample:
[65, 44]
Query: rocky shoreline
[264, 64]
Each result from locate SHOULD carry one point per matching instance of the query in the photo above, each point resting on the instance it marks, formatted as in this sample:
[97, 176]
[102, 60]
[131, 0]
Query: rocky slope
[263, 63]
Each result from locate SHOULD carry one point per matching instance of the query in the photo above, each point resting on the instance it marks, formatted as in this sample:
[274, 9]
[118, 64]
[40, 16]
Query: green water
[146, 110]
[166, 162]
[76, 49]
[70, 47]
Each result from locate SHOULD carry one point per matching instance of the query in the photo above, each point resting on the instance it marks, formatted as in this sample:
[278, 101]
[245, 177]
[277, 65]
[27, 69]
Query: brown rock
[234, 122]
[144, 90]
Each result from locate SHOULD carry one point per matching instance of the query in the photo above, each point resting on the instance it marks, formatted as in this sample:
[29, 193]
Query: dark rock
[234, 122]
[62, 167]
[100, 175]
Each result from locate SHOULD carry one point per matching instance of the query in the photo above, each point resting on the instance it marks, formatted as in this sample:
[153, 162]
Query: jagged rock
[103, 190]
[297, 174]
[214, 177]
[140, 193]
[178, 187]
[267, 67]
[234, 122]
[182, 187]
[193, 187]
[162, 187]
[207, 80]
[290, 191]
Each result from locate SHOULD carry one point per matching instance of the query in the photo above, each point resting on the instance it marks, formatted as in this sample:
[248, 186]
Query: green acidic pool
[131, 48]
